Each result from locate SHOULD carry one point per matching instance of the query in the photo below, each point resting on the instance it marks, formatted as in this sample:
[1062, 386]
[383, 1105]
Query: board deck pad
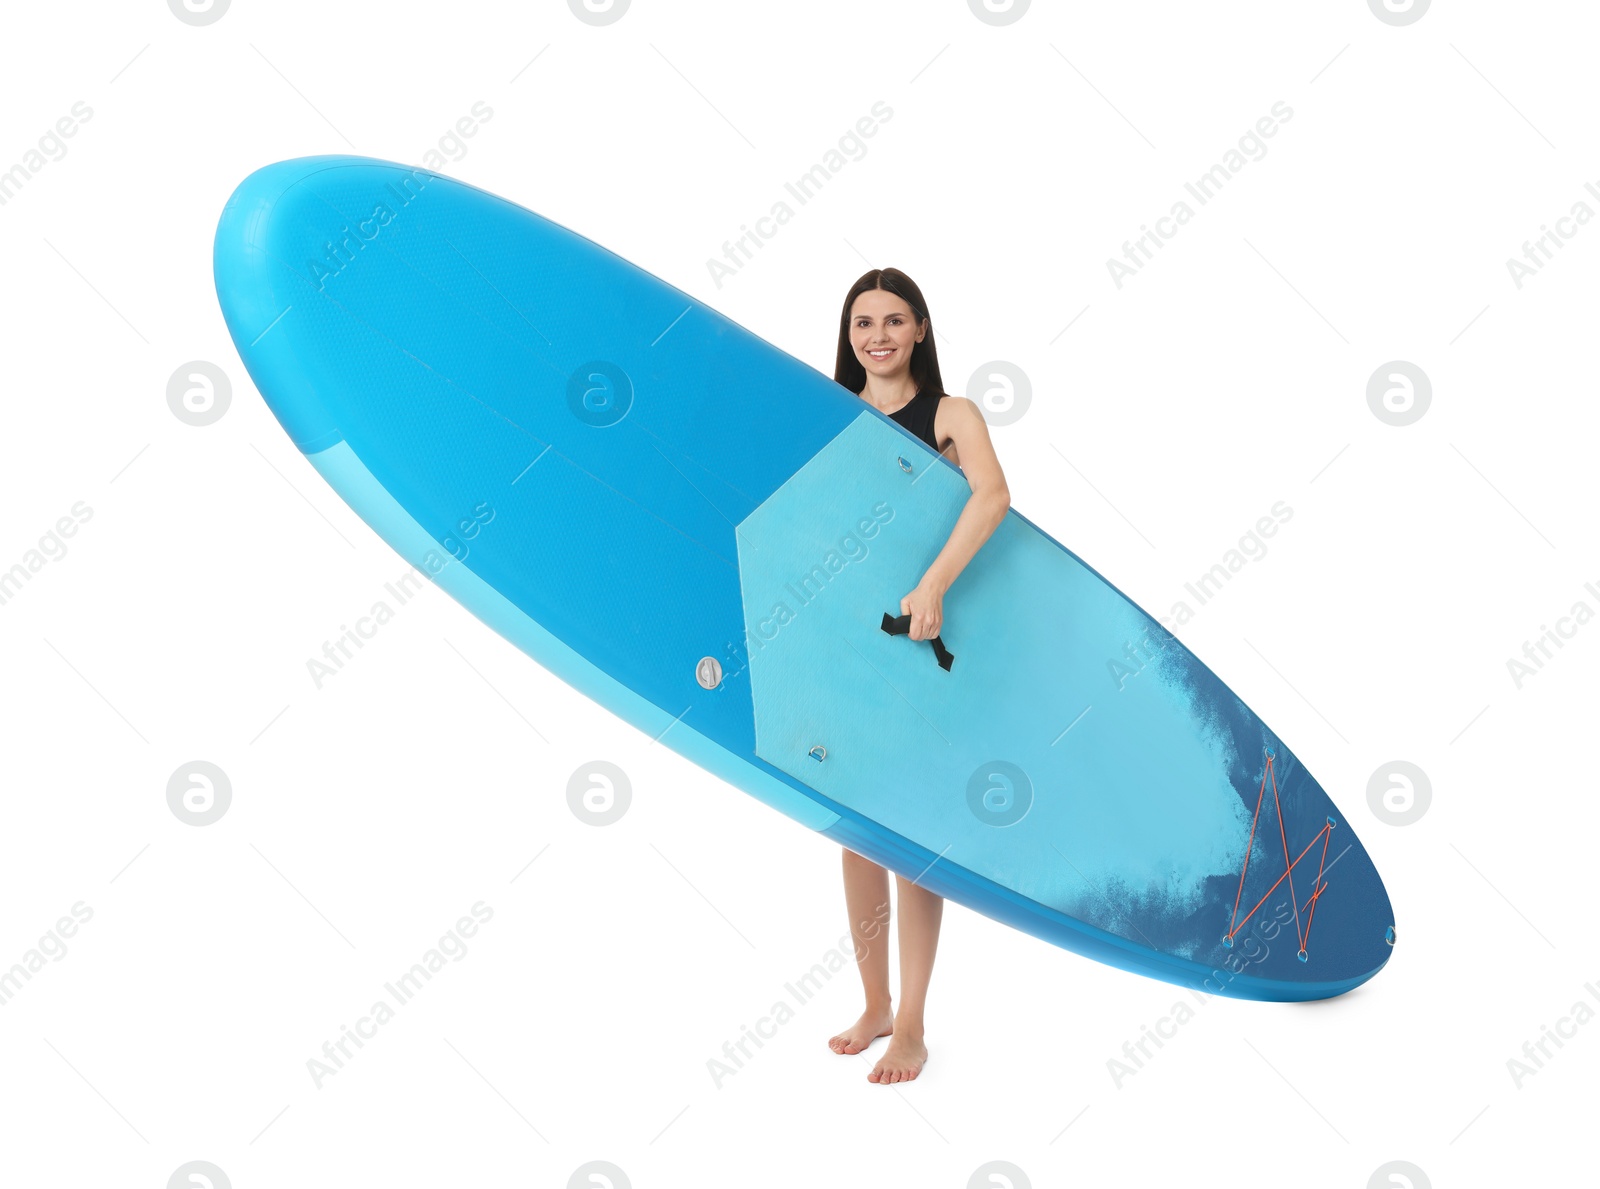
[1108, 829]
[628, 486]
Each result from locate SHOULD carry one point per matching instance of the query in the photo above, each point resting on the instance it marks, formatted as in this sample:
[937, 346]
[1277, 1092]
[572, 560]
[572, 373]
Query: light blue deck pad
[622, 482]
[1114, 830]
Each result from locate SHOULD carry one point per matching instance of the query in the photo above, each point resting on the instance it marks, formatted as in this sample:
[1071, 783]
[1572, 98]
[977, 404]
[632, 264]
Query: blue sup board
[710, 539]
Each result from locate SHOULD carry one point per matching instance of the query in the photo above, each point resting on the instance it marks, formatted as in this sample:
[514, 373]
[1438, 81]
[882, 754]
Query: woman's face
[883, 331]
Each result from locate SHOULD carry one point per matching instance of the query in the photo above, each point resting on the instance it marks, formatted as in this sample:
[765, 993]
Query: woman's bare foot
[874, 1022]
[902, 1061]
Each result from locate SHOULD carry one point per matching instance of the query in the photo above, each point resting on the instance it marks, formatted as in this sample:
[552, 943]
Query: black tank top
[917, 415]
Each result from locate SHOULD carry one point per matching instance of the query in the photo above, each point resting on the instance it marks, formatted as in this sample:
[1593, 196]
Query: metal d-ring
[818, 753]
[904, 465]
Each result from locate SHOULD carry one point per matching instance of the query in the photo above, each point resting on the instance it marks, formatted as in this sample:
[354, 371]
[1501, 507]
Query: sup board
[710, 539]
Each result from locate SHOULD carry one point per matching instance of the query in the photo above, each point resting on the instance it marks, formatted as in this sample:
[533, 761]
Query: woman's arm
[984, 510]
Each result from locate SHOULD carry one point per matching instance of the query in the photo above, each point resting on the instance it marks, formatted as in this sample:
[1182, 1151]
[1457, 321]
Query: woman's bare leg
[866, 896]
[921, 913]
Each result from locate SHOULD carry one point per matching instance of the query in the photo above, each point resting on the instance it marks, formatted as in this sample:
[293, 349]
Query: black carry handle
[901, 626]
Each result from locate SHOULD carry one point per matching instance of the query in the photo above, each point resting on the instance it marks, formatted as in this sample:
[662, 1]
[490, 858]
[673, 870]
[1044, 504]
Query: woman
[887, 357]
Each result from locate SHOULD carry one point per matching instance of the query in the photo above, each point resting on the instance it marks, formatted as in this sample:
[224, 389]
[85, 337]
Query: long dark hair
[847, 369]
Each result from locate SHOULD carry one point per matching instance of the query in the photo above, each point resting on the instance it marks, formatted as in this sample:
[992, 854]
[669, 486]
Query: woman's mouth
[883, 354]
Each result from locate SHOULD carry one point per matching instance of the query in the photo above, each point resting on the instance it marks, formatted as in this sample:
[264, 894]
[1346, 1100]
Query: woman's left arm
[984, 510]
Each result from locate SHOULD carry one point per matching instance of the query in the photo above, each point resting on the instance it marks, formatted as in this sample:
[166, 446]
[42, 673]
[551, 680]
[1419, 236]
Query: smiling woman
[886, 355]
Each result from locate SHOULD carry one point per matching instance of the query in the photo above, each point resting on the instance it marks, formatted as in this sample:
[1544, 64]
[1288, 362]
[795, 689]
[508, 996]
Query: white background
[1228, 374]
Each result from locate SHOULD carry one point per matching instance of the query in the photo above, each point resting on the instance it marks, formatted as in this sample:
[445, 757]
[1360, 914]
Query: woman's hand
[982, 513]
[925, 605]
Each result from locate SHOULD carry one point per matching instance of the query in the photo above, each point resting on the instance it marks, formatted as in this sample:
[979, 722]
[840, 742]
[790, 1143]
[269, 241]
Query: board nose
[273, 236]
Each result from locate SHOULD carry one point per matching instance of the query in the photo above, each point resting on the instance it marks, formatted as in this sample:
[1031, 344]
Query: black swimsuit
[917, 416]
